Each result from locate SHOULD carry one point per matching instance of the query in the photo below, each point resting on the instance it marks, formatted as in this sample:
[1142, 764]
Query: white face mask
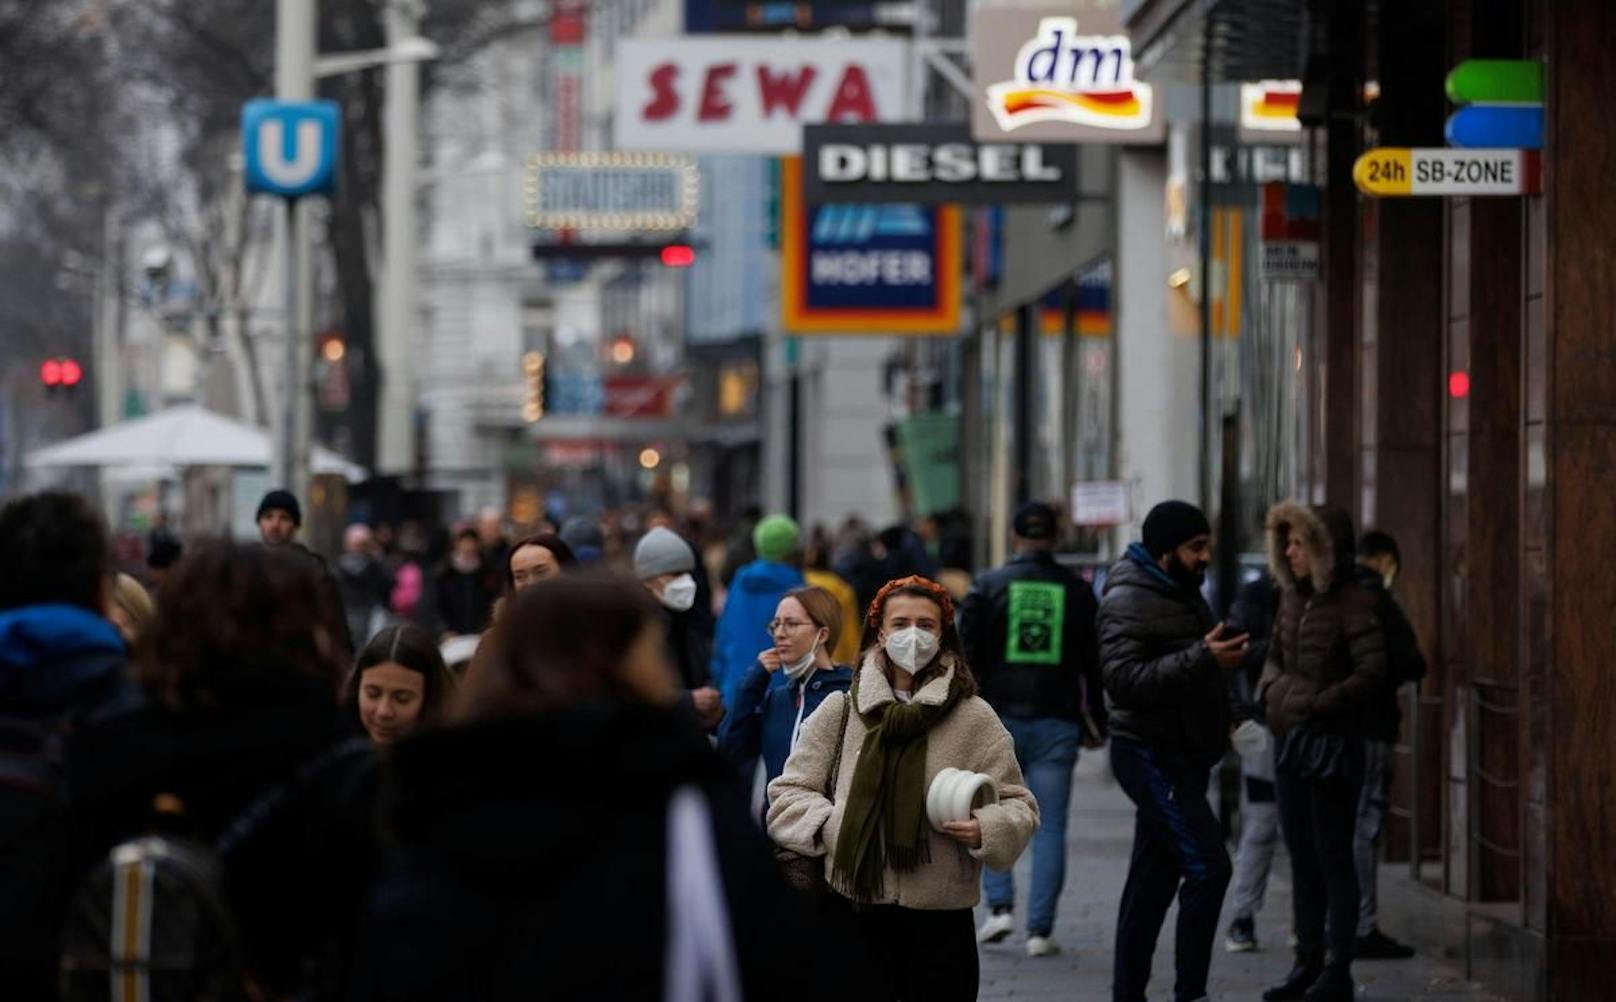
[804, 665]
[912, 648]
[679, 594]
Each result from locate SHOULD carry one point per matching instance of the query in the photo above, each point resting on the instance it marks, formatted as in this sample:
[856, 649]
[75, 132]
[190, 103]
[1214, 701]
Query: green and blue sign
[1501, 104]
[291, 147]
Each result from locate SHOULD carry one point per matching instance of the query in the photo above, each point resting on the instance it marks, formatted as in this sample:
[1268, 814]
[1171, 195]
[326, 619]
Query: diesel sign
[931, 164]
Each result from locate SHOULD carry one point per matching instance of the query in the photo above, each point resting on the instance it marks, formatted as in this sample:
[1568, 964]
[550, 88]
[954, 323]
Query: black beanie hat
[1171, 524]
[279, 500]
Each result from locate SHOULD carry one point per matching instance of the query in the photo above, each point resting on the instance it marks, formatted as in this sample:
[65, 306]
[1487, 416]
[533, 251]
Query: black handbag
[1318, 757]
[807, 873]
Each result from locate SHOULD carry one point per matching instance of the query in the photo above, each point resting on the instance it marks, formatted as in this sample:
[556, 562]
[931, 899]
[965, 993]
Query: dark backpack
[35, 825]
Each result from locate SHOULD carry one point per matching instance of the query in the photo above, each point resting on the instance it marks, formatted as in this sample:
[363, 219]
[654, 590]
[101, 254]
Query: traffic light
[678, 255]
[61, 373]
[533, 376]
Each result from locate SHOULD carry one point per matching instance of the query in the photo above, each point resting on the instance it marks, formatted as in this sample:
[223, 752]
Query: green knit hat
[776, 538]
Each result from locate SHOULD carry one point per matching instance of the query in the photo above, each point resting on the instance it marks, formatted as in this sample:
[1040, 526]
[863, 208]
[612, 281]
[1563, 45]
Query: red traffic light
[1459, 385]
[72, 372]
[51, 372]
[678, 255]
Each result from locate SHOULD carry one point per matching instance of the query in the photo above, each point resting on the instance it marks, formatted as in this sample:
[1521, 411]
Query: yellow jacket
[847, 648]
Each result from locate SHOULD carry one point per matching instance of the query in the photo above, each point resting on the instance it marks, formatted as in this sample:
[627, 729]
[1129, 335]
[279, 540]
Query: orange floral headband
[939, 594]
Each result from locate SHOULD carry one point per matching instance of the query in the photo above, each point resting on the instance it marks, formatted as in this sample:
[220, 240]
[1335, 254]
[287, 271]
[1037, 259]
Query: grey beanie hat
[661, 551]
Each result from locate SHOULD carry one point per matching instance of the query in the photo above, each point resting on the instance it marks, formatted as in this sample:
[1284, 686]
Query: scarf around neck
[884, 818]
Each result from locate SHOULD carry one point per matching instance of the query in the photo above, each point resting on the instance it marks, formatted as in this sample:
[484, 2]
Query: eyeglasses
[788, 625]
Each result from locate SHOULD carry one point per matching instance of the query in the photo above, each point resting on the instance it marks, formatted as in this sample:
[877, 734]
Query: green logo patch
[1037, 623]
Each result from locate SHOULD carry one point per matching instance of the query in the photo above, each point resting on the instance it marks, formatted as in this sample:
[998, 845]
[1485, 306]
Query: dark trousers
[909, 955]
[1320, 820]
[1177, 851]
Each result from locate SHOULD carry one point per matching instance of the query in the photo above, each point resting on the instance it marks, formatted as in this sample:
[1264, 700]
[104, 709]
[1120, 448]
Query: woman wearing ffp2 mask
[912, 712]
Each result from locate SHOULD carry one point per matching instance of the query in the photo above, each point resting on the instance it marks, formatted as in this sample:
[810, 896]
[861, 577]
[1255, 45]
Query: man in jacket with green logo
[1028, 633]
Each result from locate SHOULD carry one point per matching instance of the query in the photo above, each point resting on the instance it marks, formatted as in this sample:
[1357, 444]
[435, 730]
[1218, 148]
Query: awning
[1245, 40]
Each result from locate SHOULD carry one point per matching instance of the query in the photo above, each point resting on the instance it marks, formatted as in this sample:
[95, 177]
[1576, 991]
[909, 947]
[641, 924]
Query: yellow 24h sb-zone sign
[1401, 171]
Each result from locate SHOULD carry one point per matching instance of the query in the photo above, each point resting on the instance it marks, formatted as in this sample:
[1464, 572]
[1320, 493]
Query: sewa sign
[750, 94]
[932, 164]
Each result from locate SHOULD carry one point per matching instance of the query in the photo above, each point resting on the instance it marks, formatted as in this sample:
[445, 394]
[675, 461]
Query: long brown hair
[408, 646]
[231, 612]
[949, 643]
[562, 641]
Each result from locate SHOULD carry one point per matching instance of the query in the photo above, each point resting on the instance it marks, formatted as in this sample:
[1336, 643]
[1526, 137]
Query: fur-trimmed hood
[1330, 541]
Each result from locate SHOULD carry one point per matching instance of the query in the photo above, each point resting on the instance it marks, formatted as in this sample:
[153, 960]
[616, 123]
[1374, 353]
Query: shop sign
[1393, 172]
[867, 269]
[1059, 74]
[641, 396]
[750, 94]
[1290, 230]
[611, 191]
[1100, 503]
[1500, 104]
[931, 164]
[1268, 111]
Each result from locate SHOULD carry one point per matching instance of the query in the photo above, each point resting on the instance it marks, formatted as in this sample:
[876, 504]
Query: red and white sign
[747, 94]
[641, 396]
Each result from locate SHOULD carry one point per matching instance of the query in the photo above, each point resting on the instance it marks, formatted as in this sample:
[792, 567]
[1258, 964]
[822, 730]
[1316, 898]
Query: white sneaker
[1042, 946]
[996, 928]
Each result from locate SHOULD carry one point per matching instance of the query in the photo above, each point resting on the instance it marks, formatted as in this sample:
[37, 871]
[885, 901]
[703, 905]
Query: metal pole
[400, 116]
[1205, 426]
[295, 22]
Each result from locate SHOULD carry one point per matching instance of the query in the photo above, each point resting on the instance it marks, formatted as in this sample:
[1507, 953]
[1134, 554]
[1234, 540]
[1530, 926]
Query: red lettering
[713, 106]
[853, 98]
[784, 91]
[665, 98]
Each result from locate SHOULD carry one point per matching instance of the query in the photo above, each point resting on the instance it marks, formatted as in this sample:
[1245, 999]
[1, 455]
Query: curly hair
[949, 643]
[232, 612]
[53, 548]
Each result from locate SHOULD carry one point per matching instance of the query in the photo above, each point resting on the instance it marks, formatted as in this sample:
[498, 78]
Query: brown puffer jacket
[1328, 656]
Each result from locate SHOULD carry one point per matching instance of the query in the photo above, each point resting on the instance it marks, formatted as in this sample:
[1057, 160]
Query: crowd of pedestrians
[669, 766]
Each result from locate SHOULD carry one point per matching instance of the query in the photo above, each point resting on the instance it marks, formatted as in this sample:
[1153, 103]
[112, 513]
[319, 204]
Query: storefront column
[1344, 136]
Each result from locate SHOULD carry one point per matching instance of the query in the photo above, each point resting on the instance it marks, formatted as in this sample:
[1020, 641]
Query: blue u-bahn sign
[291, 147]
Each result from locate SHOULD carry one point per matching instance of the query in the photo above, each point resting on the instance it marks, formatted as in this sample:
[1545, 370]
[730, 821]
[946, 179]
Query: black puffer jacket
[1162, 685]
[1050, 666]
[1327, 662]
[1404, 662]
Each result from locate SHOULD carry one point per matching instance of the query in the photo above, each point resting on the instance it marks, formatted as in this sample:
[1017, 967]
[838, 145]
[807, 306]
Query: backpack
[152, 922]
[35, 826]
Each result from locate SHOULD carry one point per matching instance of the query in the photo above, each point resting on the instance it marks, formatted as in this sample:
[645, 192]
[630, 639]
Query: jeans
[1320, 819]
[1259, 835]
[1177, 841]
[909, 955]
[1372, 806]
[1047, 749]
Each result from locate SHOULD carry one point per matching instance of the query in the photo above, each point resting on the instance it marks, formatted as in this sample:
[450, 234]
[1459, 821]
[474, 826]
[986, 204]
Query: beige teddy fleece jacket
[970, 737]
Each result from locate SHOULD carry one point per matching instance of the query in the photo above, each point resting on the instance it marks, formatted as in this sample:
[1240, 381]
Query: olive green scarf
[884, 816]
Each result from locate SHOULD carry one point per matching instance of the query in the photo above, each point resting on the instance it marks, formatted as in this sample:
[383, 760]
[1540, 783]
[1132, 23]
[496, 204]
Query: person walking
[855, 790]
[766, 719]
[399, 684]
[466, 589]
[1027, 630]
[280, 519]
[62, 670]
[665, 565]
[573, 835]
[754, 594]
[532, 559]
[1253, 613]
[817, 573]
[1164, 661]
[364, 581]
[1326, 664]
[1379, 563]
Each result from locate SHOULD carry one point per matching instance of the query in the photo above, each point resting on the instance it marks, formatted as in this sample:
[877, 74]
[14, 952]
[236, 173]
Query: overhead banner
[867, 269]
[932, 164]
[611, 191]
[1061, 74]
[751, 94]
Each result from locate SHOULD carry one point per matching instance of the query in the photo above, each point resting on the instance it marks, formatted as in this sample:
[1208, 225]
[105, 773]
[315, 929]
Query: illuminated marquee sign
[1059, 75]
[611, 191]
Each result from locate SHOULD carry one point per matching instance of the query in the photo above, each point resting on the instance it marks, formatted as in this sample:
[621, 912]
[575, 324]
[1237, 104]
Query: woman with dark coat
[243, 746]
[573, 835]
[1326, 662]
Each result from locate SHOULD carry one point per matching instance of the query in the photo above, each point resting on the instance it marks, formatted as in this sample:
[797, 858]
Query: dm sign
[931, 163]
[867, 269]
[1060, 75]
[290, 147]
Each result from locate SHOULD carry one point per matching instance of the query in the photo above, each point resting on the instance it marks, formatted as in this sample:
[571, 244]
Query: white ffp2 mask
[912, 648]
[680, 593]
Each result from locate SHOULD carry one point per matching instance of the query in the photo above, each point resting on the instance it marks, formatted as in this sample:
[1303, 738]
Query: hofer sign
[750, 94]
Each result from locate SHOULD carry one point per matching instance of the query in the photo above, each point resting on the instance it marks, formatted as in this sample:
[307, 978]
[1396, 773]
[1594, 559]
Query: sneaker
[1379, 946]
[1242, 936]
[997, 928]
[1042, 946]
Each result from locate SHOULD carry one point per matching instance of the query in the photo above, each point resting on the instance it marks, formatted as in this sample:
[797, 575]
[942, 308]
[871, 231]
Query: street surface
[1099, 837]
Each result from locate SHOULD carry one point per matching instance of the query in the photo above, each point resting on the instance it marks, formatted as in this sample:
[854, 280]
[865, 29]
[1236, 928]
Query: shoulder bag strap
[841, 739]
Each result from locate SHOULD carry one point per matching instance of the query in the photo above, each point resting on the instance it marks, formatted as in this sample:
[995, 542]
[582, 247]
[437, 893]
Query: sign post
[1391, 172]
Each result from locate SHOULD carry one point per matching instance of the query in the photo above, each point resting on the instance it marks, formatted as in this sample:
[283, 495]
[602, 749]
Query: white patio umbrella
[181, 436]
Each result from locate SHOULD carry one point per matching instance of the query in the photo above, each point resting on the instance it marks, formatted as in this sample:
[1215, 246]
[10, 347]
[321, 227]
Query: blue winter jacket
[743, 629]
[764, 714]
[61, 659]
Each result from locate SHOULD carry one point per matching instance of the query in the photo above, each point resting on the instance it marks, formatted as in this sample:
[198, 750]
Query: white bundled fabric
[700, 948]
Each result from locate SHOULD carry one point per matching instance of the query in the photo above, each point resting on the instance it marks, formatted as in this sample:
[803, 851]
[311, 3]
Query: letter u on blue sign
[291, 146]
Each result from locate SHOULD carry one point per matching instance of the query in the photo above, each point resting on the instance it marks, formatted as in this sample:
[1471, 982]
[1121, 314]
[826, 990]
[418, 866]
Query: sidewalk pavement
[1099, 839]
